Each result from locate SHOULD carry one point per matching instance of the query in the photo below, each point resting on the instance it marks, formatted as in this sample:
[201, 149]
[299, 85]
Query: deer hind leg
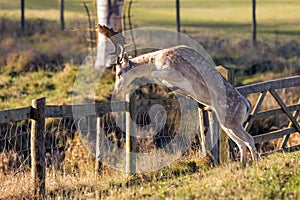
[250, 143]
[239, 142]
[244, 140]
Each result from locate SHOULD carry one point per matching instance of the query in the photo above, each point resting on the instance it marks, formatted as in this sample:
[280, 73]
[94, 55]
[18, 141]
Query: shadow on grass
[179, 169]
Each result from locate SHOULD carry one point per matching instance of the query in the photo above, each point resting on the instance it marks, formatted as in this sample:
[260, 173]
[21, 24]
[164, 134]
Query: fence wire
[62, 145]
[14, 145]
[70, 142]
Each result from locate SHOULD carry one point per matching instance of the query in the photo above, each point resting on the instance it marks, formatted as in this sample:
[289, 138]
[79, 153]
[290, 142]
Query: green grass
[70, 5]
[275, 19]
[48, 10]
[272, 177]
[19, 89]
[227, 18]
[275, 177]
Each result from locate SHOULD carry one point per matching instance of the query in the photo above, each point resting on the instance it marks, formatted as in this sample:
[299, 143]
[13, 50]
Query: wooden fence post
[254, 21]
[224, 148]
[23, 15]
[38, 146]
[99, 140]
[209, 133]
[61, 10]
[224, 156]
[210, 129]
[178, 15]
[98, 161]
[130, 167]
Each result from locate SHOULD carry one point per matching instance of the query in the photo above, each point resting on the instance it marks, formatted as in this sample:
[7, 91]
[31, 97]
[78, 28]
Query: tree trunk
[109, 13]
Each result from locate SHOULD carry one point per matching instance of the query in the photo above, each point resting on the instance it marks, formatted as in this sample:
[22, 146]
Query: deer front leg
[243, 140]
[166, 88]
[125, 79]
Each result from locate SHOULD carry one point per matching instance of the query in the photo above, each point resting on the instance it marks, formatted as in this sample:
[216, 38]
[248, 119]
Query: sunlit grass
[18, 90]
[276, 19]
[273, 177]
[49, 14]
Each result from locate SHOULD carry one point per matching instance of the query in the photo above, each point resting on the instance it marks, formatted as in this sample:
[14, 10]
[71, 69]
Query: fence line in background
[62, 16]
[23, 14]
[61, 7]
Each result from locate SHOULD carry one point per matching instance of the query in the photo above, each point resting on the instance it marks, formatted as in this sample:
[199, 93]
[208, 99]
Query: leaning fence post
[224, 149]
[38, 146]
[130, 167]
[214, 140]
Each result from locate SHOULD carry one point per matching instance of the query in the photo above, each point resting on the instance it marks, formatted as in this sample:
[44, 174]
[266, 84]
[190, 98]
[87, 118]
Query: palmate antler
[116, 38]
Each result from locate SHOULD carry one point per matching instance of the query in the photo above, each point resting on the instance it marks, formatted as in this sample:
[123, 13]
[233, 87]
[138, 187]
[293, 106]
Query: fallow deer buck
[186, 70]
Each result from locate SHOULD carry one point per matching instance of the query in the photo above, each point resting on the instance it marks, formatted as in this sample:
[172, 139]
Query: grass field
[274, 177]
[43, 61]
[276, 19]
[227, 18]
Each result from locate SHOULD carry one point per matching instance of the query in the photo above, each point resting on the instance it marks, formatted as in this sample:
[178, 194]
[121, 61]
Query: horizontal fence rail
[14, 115]
[270, 85]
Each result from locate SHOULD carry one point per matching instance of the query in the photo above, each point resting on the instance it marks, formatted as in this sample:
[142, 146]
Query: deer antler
[116, 38]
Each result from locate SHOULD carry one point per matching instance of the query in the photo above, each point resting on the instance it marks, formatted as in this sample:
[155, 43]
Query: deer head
[118, 41]
[116, 38]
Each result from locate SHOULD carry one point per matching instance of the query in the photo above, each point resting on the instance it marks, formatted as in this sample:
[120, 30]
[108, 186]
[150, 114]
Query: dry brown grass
[42, 46]
[19, 186]
[273, 177]
[15, 186]
[72, 176]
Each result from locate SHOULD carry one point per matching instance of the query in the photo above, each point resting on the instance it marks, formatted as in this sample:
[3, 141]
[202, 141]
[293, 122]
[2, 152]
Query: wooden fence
[225, 147]
[39, 111]
[291, 111]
